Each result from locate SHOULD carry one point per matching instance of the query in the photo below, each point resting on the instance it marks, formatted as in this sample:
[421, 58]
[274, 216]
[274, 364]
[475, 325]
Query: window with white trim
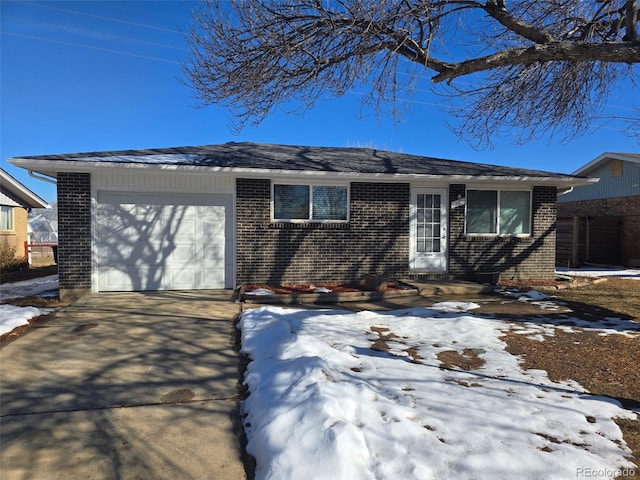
[312, 203]
[6, 218]
[498, 212]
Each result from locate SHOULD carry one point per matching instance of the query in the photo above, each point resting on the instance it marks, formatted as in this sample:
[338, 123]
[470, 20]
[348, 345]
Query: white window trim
[309, 184]
[504, 235]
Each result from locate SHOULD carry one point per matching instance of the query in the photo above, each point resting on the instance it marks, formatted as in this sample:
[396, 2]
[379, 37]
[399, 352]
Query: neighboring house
[15, 202]
[225, 215]
[600, 223]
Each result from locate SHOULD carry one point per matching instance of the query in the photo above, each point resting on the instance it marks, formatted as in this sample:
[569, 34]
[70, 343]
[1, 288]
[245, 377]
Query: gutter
[44, 178]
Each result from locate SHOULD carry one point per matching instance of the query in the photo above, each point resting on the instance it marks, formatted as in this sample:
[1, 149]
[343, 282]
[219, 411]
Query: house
[15, 202]
[600, 223]
[225, 215]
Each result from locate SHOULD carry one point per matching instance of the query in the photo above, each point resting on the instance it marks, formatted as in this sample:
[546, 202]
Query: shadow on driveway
[125, 386]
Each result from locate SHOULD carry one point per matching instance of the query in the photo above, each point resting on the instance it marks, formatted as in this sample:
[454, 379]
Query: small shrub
[8, 260]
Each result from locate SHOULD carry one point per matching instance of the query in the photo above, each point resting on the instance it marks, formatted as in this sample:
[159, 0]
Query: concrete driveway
[124, 386]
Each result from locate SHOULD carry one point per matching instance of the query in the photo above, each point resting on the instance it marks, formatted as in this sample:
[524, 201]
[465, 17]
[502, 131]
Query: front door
[428, 229]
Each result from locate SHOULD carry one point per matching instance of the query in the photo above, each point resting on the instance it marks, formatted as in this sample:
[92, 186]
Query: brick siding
[74, 233]
[619, 240]
[376, 239]
[514, 258]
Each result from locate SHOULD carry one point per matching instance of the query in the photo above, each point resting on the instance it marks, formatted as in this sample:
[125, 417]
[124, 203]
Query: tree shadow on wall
[135, 243]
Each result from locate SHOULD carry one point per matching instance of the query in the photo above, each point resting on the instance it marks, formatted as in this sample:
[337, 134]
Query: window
[6, 218]
[498, 212]
[317, 203]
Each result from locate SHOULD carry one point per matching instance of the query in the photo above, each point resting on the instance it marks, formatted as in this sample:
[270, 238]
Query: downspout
[44, 178]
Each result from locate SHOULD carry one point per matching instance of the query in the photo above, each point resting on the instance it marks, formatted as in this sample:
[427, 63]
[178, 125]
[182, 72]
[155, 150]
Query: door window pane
[428, 226]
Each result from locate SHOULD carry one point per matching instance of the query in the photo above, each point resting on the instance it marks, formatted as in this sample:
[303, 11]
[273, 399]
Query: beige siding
[15, 238]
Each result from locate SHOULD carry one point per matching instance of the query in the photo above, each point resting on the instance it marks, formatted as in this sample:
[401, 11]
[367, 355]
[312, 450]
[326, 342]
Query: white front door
[428, 229]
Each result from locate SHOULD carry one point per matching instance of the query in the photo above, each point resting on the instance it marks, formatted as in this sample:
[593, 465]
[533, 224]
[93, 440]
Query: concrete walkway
[124, 386]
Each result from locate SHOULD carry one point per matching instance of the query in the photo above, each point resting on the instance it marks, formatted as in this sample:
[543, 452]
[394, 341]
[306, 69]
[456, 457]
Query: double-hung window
[311, 203]
[498, 212]
[6, 217]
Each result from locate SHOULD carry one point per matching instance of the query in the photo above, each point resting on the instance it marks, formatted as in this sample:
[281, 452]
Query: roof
[258, 158]
[14, 193]
[605, 157]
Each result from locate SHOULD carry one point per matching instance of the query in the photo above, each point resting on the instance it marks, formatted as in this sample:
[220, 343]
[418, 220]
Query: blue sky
[88, 76]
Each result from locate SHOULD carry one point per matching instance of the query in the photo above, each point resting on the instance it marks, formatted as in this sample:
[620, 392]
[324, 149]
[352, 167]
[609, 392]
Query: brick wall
[621, 237]
[514, 258]
[376, 240]
[74, 233]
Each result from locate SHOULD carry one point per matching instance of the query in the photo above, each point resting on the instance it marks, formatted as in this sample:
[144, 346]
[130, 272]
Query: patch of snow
[12, 316]
[28, 288]
[324, 405]
[260, 291]
[628, 273]
[322, 290]
[455, 306]
[532, 295]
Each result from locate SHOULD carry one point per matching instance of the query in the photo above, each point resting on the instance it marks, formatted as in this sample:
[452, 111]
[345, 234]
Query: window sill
[309, 225]
[498, 238]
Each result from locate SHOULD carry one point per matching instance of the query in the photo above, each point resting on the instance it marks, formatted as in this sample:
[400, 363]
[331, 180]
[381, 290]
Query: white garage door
[161, 242]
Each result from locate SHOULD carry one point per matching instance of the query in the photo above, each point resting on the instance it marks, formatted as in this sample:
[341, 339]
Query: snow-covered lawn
[12, 316]
[324, 405]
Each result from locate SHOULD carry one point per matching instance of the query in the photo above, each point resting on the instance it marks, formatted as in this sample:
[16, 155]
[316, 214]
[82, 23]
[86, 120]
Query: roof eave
[602, 158]
[28, 198]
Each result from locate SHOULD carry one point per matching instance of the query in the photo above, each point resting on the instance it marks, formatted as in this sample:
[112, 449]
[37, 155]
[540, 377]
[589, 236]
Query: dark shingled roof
[248, 155]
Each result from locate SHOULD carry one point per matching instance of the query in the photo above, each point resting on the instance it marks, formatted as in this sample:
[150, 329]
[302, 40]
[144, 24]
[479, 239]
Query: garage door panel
[184, 254]
[131, 278]
[185, 231]
[184, 278]
[161, 242]
[212, 254]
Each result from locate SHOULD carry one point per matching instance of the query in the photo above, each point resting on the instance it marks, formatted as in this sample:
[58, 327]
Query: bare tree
[533, 66]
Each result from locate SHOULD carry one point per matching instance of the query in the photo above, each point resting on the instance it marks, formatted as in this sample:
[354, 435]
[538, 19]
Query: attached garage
[159, 241]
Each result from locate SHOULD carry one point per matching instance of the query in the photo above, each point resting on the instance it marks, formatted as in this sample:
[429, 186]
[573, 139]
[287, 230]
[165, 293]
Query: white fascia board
[603, 158]
[51, 167]
[29, 198]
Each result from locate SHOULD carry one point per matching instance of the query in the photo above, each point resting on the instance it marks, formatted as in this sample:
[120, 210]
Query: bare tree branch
[533, 58]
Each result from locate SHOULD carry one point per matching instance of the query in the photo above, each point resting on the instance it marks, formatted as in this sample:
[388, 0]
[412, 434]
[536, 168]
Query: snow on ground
[28, 288]
[324, 405]
[629, 273]
[12, 316]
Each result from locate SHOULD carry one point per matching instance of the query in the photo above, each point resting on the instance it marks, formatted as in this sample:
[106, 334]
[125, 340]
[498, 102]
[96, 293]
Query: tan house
[15, 202]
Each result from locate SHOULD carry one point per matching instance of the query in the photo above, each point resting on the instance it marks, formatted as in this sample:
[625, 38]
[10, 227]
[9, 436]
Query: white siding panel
[172, 181]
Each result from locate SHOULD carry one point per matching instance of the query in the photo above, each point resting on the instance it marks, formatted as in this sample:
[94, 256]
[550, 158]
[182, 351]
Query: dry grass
[613, 294]
[604, 365]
